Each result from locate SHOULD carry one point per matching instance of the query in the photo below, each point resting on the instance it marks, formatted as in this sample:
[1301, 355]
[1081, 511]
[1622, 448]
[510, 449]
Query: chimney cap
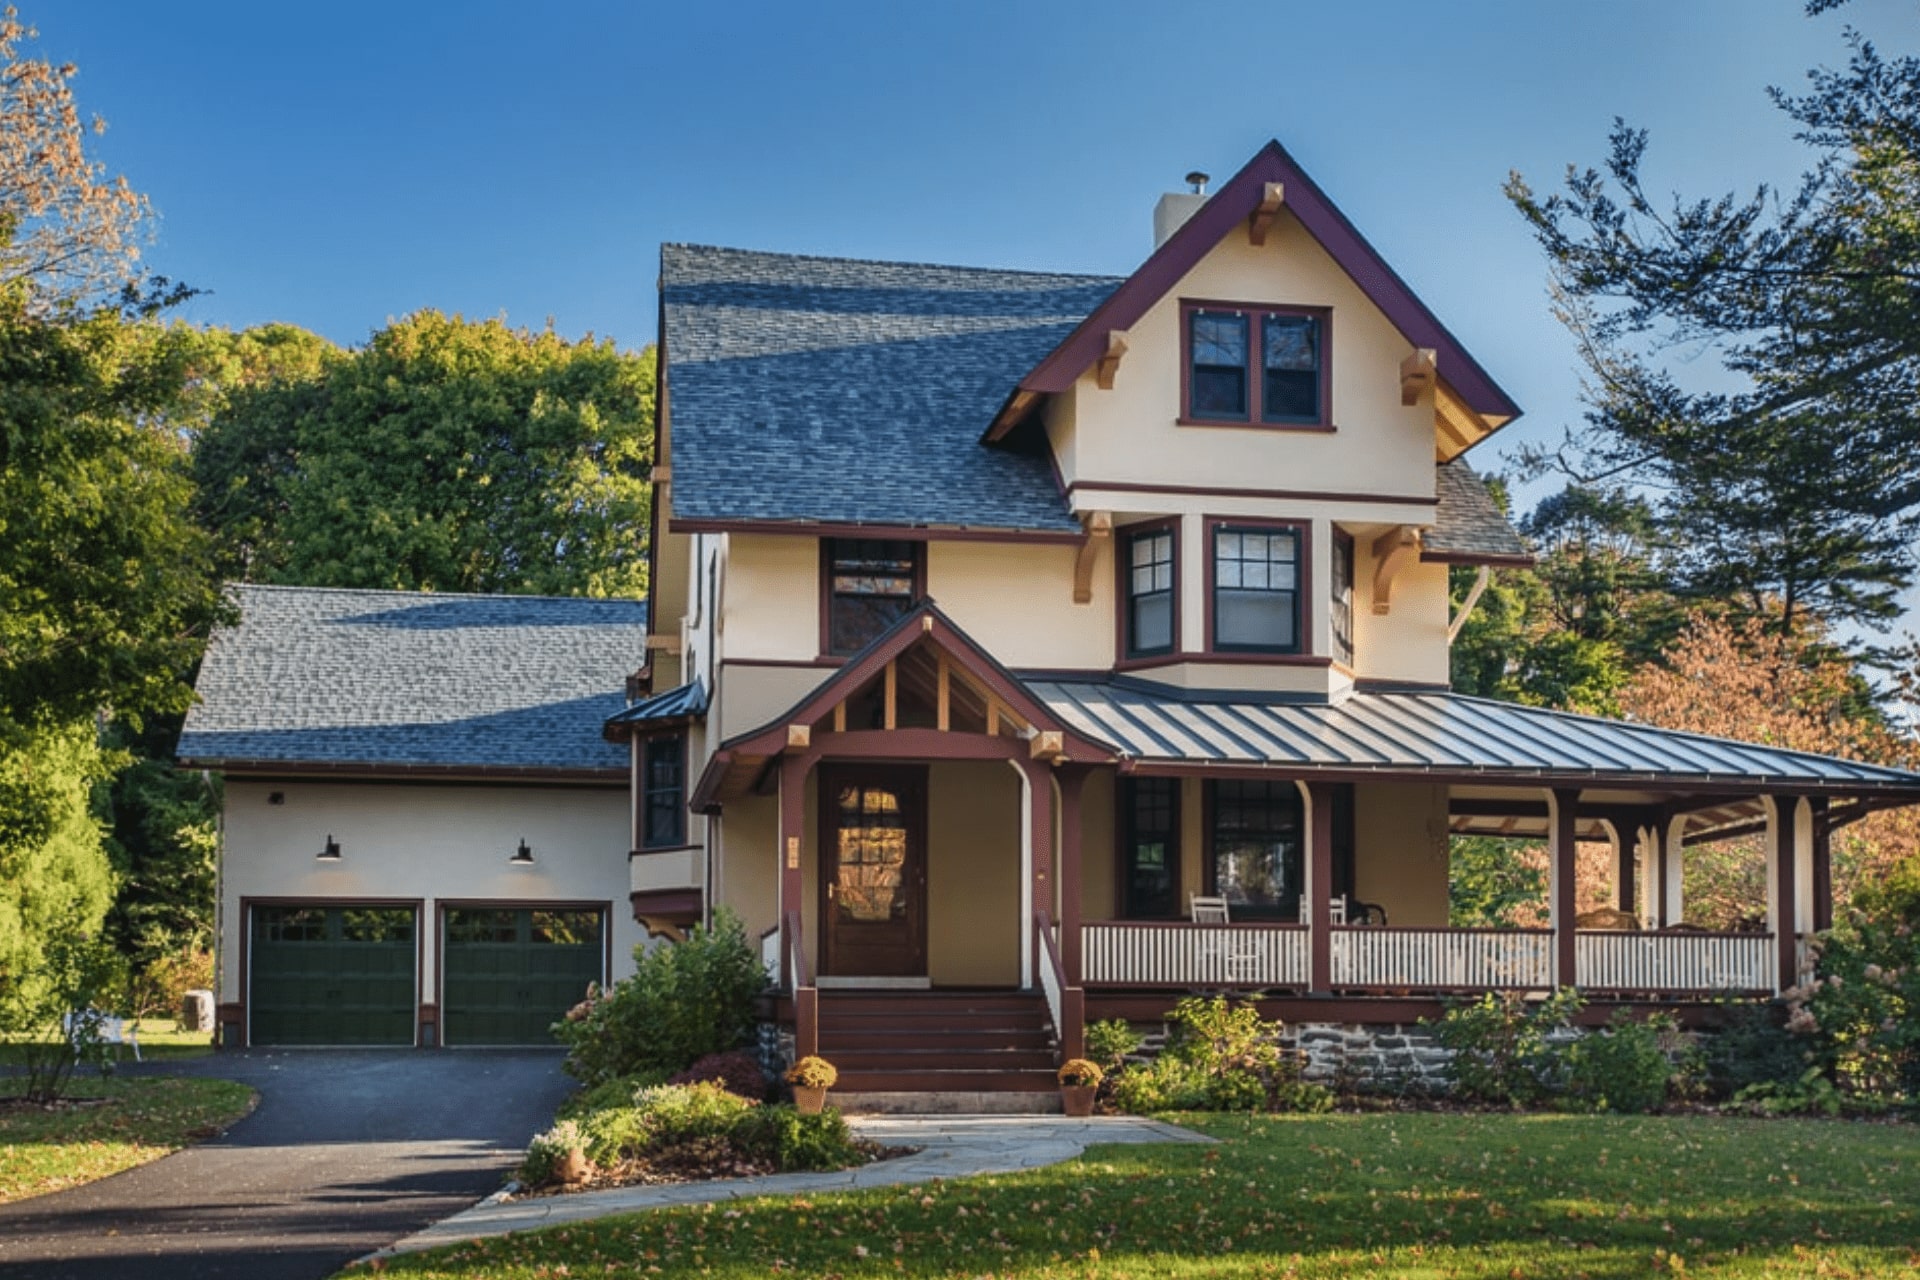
[1198, 180]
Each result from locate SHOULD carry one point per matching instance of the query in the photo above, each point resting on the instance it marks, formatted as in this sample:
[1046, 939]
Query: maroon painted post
[793, 816]
[1071, 781]
[1822, 867]
[1783, 819]
[1562, 849]
[1040, 785]
[1073, 1012]
[1626, 836]
[1320, 888]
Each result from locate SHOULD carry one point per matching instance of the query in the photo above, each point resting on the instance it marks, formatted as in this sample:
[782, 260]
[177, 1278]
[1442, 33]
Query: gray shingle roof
[837, 390]
[325, 676]
[1467, 525]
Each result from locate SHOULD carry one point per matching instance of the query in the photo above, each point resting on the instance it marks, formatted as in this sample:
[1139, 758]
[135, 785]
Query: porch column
[1822, 867]
[1620, 834]
[1070, 784]
[793, 814]
[1036, 889]
[1789, 869]
[1673, 848]
[1561, 838]
[1319, 888]
[1647, 848]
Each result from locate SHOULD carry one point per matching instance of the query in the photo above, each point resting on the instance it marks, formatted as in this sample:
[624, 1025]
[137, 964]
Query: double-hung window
[663, 793]
[1340, 599]
[1261, 367]
[1256, 588]
[1151, 600]
[871, 584]
[1150, 848]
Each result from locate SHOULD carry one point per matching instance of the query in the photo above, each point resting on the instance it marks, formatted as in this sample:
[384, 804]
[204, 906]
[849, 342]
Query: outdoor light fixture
[330, 852]
[523, 856]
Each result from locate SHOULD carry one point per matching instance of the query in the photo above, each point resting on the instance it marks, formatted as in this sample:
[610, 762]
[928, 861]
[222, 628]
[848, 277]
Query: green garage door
[509, 975]
[332, 975]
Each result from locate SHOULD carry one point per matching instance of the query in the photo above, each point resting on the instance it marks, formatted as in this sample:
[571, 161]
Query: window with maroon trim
[1256, 588]
[1258, 366]
[1152, 600]
[1340, 599]
[1150, 848]
[871, 584]
[663, 793]
[1256, 847]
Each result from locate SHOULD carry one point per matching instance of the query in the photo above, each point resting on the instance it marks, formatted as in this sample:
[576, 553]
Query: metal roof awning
[1439, 736]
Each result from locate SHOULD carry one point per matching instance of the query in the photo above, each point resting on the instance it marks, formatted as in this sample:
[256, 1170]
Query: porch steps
[981, 1045]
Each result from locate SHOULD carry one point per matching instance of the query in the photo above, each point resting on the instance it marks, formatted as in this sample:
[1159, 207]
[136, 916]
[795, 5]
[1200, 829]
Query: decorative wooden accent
[1393, 551]
[1455, 425]
[663, 644]
[893, 697]
[839, 717]
[662, 474]
[799, 737]
[943, 713]
[993, 716]
[926, 625]
[1099, 527]
[1272, 196]
[1109, 364]
[1047, 744]
[1465, 611]
[1418, 373]
[1674, 963]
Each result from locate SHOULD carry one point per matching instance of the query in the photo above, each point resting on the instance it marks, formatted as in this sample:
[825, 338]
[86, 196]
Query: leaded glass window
[871, 585]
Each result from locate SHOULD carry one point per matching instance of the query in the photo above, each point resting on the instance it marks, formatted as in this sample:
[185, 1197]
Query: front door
[873, 871]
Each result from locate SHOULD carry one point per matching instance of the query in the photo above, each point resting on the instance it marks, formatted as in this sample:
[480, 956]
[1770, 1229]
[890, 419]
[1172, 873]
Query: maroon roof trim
[1229, 208]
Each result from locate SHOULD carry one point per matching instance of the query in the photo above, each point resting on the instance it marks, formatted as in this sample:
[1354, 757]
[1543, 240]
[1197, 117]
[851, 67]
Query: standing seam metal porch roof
[1432, 732]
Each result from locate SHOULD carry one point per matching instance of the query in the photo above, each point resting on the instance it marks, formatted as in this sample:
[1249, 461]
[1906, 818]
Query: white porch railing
[1443, 959]
[770, 955]
[1194, 955]
[1675, 962]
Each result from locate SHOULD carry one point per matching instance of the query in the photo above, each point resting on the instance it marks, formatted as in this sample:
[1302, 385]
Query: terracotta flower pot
[809, 1101]
[1078, 1098]
[574, 1168]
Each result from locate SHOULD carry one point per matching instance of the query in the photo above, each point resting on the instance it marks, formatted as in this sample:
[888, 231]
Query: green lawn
[159, 1041]
[1421, 1195]
[45, 1150]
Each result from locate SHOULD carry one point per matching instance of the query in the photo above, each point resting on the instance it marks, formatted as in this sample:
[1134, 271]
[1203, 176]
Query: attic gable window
[870, 584]
[1256, 366]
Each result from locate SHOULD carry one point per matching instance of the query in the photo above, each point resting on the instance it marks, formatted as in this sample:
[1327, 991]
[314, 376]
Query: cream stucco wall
[427, 842]
[973, 874]
[770, 599]
[1098, 852]
[1017, 601]
[1400, 851]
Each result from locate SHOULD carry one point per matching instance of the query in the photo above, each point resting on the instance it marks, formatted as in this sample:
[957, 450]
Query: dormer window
[870, 584]
[1256, 366]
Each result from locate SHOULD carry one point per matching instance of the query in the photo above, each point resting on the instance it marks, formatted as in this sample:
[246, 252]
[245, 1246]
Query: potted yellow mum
[1079, 1081]
[811, 1077]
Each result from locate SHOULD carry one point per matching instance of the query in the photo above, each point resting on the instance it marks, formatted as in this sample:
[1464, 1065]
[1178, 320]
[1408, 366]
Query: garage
[510, 973]
[332, 975]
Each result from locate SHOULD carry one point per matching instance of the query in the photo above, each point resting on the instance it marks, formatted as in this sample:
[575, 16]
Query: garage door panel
[332, 975]
[511, 973]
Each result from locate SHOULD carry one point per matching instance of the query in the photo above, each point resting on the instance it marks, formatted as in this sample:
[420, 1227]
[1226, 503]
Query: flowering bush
[813, 1073]
[1078, 1073]
[1220, 1056]
[1860, 1014]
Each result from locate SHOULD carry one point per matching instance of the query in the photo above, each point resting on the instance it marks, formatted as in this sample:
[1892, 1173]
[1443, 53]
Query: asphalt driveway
[347, 1152]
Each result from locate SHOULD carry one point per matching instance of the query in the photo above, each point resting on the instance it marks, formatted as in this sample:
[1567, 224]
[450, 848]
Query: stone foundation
[1384, 1058]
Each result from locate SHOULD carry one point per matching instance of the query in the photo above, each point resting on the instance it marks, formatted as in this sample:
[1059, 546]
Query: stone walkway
[953, 1147]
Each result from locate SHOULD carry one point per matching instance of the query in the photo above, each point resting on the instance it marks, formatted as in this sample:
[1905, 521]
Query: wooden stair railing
[1066, 1005]
[800, 984]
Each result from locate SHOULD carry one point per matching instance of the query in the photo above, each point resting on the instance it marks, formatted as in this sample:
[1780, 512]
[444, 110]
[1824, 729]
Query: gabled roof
[1229, 208]
[839, 391]
[400, 681]
[1437, 734]
[1468, 526]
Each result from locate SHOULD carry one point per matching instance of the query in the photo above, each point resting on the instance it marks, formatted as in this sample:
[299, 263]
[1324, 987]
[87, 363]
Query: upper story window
[663, 792]
[870, 585]
[1264, 367]
[1256, 588]
[1340, 598]
[1150, 601]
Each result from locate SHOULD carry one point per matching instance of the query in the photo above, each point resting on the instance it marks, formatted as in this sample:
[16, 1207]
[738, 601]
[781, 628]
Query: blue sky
[334, 166]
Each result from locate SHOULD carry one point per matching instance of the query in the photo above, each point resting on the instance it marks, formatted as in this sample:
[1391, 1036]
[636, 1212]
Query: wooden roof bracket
[1272, 196]
[1393, 551]
[1099, 527]
[1417, 374]
[1109, 363]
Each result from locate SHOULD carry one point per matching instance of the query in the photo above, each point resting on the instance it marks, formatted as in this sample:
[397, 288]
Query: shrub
[70, 974]
[617, 1092]
[1752, 1047]
[1624, 1068]
[1501, 1046]
[799, 1143]
[1110, 1042]
[1220, 1056]
[1811, 1093]
[685, 1001]
[736, 1070]
[1860, 1018]
[547, 1150]
[813, 1073]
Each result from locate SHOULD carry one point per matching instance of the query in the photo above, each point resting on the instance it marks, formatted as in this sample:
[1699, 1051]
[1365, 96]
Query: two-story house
[1022, 648]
